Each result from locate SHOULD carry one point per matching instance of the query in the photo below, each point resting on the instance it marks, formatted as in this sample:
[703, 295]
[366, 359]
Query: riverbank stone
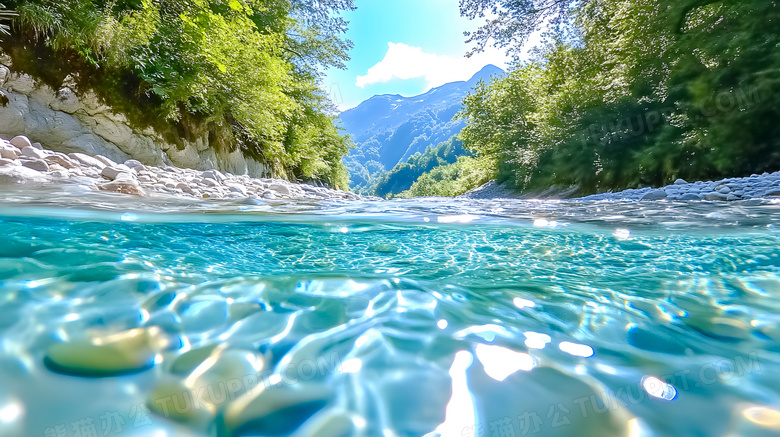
[111, 172]
[124, 186]
[655, 195]
[32, 152]
[20, 142]
[36, 164]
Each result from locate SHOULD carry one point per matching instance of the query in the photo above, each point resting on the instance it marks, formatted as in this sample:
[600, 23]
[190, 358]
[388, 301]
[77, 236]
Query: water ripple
[395, 318]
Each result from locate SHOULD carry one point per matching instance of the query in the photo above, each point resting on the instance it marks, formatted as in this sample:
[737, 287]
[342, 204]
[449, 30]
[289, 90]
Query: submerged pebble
[212, 380]
[174, 400]
[723, 328]
[111, 355]
[187, 362]
[274, 411]
[332, 423]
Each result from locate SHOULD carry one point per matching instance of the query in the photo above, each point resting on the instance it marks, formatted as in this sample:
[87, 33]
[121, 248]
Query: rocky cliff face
[66, 120]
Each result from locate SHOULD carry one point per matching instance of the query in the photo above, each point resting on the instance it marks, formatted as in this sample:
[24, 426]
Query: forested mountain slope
[389, 128]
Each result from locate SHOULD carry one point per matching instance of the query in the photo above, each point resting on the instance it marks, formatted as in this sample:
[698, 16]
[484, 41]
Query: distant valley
[389, 129]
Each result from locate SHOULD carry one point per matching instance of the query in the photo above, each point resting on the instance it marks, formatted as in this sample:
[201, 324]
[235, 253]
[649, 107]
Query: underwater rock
[216, 378]
[383, 248]
[331, 423]
[116, 354]
[224, 365]
[721, 328]
[187, 362]
[327, 315]
[201, 315]
[571, 406]
[174, 400]
[274, 411]
[654, 340]
[241, 310]
[415, 400]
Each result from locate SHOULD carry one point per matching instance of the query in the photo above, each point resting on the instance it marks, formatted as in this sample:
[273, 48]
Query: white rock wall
[67, 121]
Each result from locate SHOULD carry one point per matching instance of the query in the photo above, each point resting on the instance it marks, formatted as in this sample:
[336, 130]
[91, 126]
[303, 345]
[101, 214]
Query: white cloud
[406, 62]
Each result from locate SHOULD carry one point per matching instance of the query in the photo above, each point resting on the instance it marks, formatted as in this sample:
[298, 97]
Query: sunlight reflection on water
[401, 317]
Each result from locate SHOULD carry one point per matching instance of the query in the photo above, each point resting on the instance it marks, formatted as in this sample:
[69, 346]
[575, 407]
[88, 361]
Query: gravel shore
[756, 186]
[25, 163]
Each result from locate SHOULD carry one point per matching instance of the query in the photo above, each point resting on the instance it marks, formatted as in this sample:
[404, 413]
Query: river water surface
[400, 318]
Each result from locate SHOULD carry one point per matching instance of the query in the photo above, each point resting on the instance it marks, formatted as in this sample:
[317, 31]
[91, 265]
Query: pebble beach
[23, 162]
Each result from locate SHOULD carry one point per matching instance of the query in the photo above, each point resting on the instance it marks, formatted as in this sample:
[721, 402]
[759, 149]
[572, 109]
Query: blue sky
[405, 47]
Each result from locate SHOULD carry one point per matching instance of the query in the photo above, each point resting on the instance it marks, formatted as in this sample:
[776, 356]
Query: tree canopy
[628, 93]
[249, 70]
[5, 15]
[404, 174]
[509, 23]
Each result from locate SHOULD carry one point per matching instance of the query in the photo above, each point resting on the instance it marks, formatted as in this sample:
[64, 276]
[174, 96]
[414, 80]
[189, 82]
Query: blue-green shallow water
[425, 316]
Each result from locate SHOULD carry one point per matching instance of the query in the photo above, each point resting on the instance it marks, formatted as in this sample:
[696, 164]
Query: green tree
[627, 93]
[509, 23]
[247, 71]
[5, 15]
[404, 174]
[452, 180]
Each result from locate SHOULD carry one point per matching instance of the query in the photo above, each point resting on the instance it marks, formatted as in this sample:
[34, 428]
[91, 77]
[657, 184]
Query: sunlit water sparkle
[453, 317]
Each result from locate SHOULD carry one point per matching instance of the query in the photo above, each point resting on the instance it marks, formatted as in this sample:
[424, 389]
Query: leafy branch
[5, 15]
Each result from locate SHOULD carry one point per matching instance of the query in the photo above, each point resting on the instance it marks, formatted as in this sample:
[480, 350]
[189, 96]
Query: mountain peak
[386, 112]
[486, 72]
[389, 128]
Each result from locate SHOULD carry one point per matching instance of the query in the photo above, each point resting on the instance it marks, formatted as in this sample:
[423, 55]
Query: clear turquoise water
[423, 316]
